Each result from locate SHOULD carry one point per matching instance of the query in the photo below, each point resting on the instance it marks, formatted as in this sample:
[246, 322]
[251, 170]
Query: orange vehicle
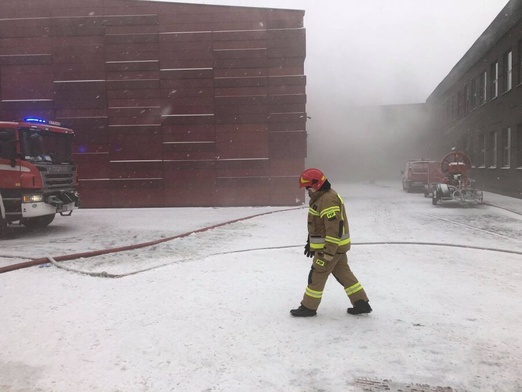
[38, 178]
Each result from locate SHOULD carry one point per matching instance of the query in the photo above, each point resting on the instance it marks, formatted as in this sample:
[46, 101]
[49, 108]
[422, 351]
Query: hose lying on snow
[105, 274]
[45, 260]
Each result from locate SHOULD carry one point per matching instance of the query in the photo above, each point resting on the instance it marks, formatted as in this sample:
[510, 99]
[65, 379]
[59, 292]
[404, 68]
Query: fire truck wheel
[436, 195]
[37, 222]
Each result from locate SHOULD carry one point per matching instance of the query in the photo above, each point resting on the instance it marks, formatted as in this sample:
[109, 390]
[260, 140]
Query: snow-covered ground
[210, 311]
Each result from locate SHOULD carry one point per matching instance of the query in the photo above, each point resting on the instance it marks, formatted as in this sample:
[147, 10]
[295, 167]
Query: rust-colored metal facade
[173, 104]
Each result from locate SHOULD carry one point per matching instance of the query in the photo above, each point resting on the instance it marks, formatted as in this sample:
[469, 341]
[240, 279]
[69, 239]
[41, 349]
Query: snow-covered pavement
[211, 311]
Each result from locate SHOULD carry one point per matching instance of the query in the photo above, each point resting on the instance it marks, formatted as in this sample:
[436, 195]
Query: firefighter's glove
[307, 251]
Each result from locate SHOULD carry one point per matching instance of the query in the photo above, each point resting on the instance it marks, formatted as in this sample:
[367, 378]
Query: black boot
[303, 311]
[360, 307]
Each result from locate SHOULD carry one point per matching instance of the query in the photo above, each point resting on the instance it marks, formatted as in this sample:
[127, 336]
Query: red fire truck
[38, 178]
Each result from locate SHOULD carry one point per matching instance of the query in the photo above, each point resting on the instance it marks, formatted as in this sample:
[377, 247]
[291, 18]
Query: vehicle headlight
[32, 198]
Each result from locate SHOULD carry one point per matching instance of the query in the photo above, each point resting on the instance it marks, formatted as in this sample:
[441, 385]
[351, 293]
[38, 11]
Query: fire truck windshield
[45, 146]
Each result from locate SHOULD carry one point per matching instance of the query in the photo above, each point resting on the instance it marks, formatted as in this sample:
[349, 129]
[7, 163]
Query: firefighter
[327, 243]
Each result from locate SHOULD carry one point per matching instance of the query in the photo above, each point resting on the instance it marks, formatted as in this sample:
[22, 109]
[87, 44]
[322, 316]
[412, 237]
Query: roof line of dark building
[504, 21]
[202, 4]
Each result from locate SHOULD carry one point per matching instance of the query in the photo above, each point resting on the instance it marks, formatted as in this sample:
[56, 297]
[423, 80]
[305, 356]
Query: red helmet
[313, 178]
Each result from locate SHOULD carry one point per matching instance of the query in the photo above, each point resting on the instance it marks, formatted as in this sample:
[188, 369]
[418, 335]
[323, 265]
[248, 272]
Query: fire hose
[45, 260]
[55, 260]
[105, 274]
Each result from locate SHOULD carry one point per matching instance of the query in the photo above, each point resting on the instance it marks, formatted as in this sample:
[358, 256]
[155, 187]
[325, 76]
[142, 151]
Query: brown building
[173, 104]
[478, 106]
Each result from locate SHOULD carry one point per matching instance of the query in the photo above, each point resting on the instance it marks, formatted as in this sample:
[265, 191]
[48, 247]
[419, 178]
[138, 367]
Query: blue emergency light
[36, 120]
[41, 121]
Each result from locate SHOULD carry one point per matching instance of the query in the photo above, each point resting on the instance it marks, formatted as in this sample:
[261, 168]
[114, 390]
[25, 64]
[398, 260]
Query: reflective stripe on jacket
[328, 227]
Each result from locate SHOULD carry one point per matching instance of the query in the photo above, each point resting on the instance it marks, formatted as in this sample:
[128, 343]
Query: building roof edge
[504, 21]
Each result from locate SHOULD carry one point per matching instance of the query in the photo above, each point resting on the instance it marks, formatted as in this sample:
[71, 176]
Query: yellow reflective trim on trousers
[313, 293]
[311, 211]
[330, 209]
[353, 289]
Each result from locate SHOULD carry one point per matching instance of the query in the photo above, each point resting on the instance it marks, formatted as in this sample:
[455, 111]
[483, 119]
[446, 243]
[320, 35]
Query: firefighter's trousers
[318, 276]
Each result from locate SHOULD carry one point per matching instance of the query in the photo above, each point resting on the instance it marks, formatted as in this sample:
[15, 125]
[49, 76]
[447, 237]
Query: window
[460, 103]
[492, 149]
[507, 71]
[494, 79]
[474, 93]
[470, 148]
[467, 99]
[482, 88]
[505, 137]
[7, 143]
[518, 140]
[480, 150]
[520, 61]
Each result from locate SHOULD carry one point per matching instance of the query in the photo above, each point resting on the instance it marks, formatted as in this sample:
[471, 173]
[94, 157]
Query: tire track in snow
[458, 223]
[504, 208]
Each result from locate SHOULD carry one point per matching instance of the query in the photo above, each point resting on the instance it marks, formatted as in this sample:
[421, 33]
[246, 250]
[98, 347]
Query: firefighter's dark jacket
[328, 227]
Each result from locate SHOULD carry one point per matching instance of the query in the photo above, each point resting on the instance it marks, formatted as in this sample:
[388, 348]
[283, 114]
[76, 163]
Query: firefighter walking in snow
[328, 241]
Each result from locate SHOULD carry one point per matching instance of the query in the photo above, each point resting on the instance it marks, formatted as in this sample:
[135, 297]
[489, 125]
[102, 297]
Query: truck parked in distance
[417, 172]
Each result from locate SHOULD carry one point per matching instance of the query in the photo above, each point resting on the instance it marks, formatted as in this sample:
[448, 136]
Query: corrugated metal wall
[173, 104]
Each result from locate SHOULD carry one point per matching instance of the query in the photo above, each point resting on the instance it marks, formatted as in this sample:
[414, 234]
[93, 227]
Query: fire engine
[38, 178]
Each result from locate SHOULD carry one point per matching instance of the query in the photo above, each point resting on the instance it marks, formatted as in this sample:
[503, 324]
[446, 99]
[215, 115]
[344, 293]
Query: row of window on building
[486, 86]
[496, 149]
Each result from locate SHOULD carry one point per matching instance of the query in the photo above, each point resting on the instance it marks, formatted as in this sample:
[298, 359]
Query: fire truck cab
[38, 178]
